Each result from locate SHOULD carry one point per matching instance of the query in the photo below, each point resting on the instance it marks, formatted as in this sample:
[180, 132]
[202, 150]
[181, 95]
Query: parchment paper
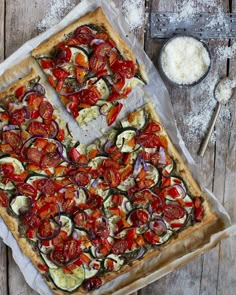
[155, 92]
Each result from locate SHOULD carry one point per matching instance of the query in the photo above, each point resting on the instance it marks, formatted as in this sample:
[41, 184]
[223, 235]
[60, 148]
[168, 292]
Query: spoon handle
[208, 136]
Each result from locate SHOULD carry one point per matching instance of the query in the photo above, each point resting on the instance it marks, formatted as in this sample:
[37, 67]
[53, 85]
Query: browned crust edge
[210, 224]
[21, 82]
[96, 17]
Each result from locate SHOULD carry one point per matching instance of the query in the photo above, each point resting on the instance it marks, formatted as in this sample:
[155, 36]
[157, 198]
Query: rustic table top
[214, 272]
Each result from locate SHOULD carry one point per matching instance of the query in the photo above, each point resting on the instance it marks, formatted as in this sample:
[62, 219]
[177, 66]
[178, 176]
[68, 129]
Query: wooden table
[212, 273]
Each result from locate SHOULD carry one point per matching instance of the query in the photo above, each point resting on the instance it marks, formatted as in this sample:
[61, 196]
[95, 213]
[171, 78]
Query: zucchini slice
[95, 162]
[124, 141]
[18, 169]
[152, 173]
[20, 204]
[125, 205]
[117, 262]
[87, 114]
[104, 88]
[67, 282]
[138, 120]
[30, 180]
[48, 262]
[75, 50]
[127, 184]
[66, 224]
[92, 268]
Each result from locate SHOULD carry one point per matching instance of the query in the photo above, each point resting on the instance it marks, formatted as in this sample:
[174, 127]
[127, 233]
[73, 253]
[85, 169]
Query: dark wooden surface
[212, 273]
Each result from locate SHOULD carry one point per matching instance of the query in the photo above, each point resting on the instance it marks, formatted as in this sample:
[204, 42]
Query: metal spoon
[221, 102]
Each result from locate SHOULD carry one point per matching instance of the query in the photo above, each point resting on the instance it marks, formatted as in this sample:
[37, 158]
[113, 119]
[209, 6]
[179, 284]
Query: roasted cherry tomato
[82, 179]
[38, 129]
[45, 229]
[119, 247]
[26, 189]
[139, 217]
[58, 241]
[152, 127]
[92, 283]
[34, 156]
[62, 54]
[103, 50]
[7, 169]
[46, 110]
[46, 64]
[71, 250]
[3, 199]
[82, 220]
[125, 68]
[149, 140]
[50, 160]
[83, 30]
[18, 117]
[172, 212]
[84, 38]
[88, 96]
[101, 228]
[112, 177]
[32, 220]
[68, 206]
[60, 74]
[97, 64]
[95, 202]
[20, 92]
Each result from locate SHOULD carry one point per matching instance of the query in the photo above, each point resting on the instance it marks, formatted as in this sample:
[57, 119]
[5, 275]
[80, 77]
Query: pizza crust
[188, 240]
[96, 17]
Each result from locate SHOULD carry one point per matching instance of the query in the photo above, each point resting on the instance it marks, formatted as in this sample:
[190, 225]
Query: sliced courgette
[18, 169]
[67, 282]
[104, 88]
[124, 140]
[20, 204]
[48, 262]
[152, 173]
[96, 162]
[138, 120]
[127, 184]
[78, 50]
[92, 268]
[66, 224]
[125, 205]
[87, 114]
[117, 262]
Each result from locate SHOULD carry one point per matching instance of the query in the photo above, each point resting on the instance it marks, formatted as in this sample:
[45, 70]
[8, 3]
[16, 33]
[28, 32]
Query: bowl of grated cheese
[184, 60]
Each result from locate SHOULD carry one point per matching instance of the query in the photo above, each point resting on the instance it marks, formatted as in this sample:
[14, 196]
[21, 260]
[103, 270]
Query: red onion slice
[97, 41]
[10, 127]
[137, 165]
[158, 226]
[39, 89]
[162, 154]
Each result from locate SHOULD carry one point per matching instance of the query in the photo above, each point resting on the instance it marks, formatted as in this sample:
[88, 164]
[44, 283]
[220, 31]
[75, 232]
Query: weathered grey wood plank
[200, 276]
[3, 248]
[22, 18]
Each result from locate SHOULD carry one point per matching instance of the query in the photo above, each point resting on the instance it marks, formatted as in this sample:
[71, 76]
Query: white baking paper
[155, 92]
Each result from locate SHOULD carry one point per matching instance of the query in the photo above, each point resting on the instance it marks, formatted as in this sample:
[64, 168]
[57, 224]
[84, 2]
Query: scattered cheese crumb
[134, 13]
[185, 60]
[57, 9]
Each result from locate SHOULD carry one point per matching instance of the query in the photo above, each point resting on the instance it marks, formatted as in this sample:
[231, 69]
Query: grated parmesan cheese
[185, 60]
[224, 90]
[57, 9]
[134, 13]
